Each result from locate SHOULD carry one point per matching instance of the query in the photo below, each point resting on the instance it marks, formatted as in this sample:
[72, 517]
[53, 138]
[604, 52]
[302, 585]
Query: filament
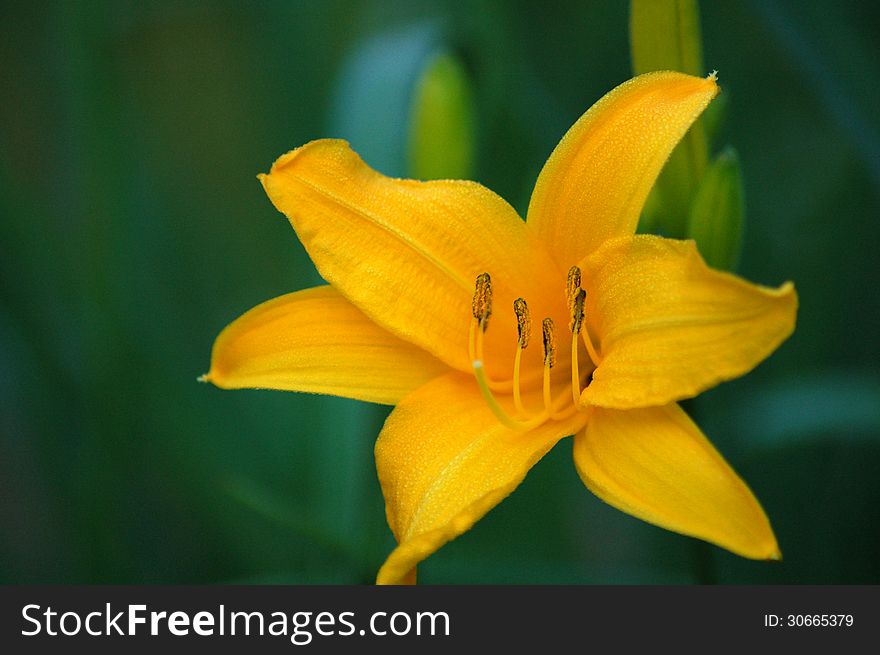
[517, 397]
[591, 350]
[497, 409]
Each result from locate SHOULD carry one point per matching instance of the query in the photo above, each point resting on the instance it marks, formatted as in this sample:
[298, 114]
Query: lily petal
[316, 341]
[595, 182]
[407, 253]
[669, 327]
[655, 464]
[444, 461]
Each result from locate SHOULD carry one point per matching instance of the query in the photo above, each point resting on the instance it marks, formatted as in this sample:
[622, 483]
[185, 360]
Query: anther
[572, 285]
[523, 322]
[482, 303]
[577, 312]
[549, 343]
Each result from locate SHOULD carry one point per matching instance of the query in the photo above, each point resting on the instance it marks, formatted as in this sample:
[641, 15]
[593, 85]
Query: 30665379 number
[809, 620]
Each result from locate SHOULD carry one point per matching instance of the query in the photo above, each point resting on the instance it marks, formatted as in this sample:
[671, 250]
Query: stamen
[577, 319]
[549, 361]
[574, 291]
[482, 303]
[482, 309]
[553, 410]
[572, 285]
[524, 333]
[588, 342]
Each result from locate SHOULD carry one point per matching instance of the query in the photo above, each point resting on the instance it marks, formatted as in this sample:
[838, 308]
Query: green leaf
[441, 134]
[665, 35]
[716, 214]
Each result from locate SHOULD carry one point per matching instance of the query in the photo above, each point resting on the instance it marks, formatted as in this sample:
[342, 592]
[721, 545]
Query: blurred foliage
[132, 230]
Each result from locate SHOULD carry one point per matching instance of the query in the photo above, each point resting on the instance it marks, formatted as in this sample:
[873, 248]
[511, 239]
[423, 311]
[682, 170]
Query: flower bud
[665, 35]
[716, 214]
[441, 130]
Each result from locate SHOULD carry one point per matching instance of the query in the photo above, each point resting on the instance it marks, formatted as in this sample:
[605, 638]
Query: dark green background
[132, 229]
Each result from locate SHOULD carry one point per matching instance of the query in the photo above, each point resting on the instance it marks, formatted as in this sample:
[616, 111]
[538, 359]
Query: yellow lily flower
[432, 286]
